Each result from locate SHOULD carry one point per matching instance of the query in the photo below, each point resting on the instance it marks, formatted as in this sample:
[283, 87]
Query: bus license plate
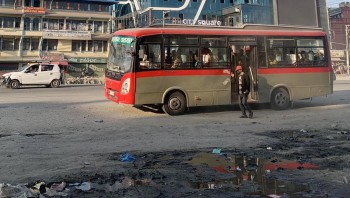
[111, 92]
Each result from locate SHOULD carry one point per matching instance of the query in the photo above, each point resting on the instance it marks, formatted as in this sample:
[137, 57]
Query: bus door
[244, 53]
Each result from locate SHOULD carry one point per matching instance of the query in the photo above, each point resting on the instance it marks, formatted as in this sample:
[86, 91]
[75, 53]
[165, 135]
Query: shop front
[338, 61]
[82, 70]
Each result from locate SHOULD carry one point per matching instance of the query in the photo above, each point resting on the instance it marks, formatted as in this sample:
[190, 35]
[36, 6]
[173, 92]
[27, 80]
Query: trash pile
[37, 190]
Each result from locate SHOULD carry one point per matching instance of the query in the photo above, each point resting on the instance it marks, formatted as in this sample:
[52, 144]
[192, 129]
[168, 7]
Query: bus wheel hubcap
[280, 98]
[174, 103]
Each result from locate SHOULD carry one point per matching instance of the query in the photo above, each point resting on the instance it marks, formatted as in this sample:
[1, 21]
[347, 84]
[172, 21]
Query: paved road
[46, 131]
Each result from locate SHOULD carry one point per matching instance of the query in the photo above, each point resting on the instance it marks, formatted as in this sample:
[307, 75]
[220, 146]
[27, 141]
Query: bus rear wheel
[175, 104]
[280, 99]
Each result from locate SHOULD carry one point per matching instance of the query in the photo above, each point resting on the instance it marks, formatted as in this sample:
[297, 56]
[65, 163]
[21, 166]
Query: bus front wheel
[175, 104]
[280, 99]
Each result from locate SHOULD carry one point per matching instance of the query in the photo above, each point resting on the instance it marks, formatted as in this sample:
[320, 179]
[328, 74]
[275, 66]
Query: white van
[34, 74]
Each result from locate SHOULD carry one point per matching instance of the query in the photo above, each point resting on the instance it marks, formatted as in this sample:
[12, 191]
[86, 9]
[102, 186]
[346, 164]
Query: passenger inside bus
[177, 62]
[272, 59]
[302, 58]
[206, 57]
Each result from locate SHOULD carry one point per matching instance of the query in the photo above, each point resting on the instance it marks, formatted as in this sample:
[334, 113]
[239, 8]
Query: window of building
[78, 25]
[105, 27]
[57, 4]
[83, 6]
[7, 44]
[27, 23]
[10, 44]
[36, 3]
[52, 24]
[97, 26]
[31, 44]
[26, 43]
[76, 45]
[81, 26]
[27, 3]
[7, 2]
[181, 16]
[222, 1]
[17, 22]
[94, 7]
[83, 46]
[105, 45]
[36, 22]
[73, 6]
[89, 47]
[47, 4]
[98, 46]
[90, 25]
[50, 45]
[61, 24]
[34, 44]
[8, 22]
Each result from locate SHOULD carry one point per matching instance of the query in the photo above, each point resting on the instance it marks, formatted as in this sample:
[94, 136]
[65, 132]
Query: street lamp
[165, 15]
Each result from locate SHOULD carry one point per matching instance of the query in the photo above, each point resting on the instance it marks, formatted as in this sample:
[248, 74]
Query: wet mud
[300, 163]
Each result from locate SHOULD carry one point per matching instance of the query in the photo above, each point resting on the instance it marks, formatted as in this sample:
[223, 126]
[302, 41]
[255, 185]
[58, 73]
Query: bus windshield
[121, 54]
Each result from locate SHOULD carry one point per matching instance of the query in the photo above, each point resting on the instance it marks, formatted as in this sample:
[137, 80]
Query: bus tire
[280, 99]
[14, 84]
[175, 104]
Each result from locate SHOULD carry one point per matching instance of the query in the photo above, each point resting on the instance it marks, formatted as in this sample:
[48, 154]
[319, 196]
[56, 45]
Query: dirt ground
[71, 142]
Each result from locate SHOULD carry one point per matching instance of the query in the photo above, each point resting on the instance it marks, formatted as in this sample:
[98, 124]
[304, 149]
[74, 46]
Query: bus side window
[149, 56]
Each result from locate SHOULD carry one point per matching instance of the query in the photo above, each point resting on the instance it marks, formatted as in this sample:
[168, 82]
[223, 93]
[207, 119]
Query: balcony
[78, 14]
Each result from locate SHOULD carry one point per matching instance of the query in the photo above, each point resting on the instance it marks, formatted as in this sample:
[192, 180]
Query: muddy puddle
[250, 175]
[180, 174]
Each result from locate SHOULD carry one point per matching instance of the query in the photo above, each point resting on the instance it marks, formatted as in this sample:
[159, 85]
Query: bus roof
[250, 30]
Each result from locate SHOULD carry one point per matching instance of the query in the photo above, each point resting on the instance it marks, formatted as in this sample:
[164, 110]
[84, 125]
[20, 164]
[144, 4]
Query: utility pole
[347, 48]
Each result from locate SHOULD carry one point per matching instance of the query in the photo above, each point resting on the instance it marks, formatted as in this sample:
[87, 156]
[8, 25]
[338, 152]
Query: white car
[34, 74]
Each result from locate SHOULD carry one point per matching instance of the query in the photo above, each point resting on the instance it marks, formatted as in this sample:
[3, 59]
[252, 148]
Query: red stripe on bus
[213, 72]
[293, 70]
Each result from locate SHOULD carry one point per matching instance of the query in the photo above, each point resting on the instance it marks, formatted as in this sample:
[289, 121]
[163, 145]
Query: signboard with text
[70, 35]
[337, 53]
[87, 60]
[34, 10]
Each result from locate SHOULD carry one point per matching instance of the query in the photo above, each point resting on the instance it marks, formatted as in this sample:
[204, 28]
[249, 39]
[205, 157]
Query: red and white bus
[181, 67]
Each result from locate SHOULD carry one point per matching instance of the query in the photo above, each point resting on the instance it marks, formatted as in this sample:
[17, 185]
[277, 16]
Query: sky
[335, 3]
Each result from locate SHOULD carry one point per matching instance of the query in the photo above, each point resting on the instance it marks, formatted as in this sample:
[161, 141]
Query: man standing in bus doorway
[243, 92]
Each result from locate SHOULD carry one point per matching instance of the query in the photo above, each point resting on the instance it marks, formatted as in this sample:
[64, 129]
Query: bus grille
[113, 75]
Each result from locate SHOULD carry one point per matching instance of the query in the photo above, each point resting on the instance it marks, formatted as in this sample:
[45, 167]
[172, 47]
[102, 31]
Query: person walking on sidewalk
[243, 92]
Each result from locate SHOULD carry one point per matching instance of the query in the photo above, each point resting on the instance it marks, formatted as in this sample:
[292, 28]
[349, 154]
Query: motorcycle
[87, 72]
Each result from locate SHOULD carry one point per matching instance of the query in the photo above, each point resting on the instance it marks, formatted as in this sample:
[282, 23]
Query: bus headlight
[126, 86]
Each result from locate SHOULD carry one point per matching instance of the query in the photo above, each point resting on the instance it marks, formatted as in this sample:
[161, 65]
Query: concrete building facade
[339, 20]
[235, 13]
[74, 33]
